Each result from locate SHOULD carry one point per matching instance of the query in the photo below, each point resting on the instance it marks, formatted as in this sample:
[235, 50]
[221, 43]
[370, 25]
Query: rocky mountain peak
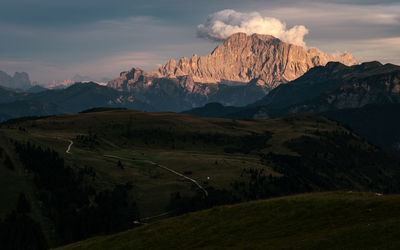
[239, 71]
[20, 80]
[242, 58]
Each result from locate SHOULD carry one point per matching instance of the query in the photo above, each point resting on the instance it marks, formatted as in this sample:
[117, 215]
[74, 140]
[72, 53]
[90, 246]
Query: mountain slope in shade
[242, 58]
[333, 87]
[381, 86]
[20, 80]
[182, 93]
[319, 80]
[36, 89]
[82, 96]
[78, 97]
[27, 108]
[10, 95]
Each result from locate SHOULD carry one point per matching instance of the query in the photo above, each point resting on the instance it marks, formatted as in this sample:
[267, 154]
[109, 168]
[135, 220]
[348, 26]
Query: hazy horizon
[55, 41]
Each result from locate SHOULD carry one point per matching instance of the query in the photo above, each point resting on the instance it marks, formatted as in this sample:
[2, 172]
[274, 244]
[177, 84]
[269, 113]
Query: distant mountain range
[77, 78]
[20, 80]
[73, 99]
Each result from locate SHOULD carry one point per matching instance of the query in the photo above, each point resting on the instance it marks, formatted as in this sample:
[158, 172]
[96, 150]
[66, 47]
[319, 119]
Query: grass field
[205, 162]
[336, 220]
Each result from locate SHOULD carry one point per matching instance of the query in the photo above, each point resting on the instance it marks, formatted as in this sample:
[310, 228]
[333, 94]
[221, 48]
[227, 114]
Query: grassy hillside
[339, 220]
[127, 165]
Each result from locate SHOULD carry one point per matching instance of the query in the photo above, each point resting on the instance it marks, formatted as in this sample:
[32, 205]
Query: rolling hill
[341, 220]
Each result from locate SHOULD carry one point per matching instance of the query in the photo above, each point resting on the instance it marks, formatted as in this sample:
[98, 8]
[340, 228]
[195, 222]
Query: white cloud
[222, 24]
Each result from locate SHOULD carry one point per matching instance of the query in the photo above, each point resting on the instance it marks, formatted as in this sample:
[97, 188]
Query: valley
[169, 164]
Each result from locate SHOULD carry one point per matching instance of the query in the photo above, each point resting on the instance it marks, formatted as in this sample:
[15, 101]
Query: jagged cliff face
[258, 63]
[242, 58]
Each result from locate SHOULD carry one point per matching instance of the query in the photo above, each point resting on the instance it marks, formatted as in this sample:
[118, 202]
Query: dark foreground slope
[312, 221]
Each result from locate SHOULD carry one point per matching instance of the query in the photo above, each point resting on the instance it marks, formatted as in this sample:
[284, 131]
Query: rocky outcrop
[20, 80]
[182, 92]
[242, 58]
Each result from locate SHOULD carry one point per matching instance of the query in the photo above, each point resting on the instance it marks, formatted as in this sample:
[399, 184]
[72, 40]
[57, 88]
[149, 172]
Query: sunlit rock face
[242, 58]
[240, 71]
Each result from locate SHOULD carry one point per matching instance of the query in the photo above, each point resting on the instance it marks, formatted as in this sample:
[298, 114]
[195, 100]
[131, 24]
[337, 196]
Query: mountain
[182, 93]
[379, 84]
[36, 89]
[59, 85]
[242, 58]
[78, 97]
[240, 71]
[27, 108]
[81, 96]
[337, 86]
[20, 80]
[77, 78]
[324, 88]
[10, 95]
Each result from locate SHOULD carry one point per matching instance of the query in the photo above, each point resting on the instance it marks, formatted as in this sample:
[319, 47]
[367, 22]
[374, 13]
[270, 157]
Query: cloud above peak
[222, 24]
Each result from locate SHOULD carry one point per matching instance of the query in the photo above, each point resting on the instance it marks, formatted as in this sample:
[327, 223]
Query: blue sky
[54, 40]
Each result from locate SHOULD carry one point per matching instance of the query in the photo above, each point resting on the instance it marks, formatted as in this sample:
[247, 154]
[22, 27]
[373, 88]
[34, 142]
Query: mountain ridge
[323, 88]
[20, 80]
[242, 58]
[240, 71]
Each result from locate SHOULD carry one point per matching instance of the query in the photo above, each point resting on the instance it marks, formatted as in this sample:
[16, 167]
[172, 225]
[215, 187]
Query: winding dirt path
[68, 150]
[69, 147]
[163, 167]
